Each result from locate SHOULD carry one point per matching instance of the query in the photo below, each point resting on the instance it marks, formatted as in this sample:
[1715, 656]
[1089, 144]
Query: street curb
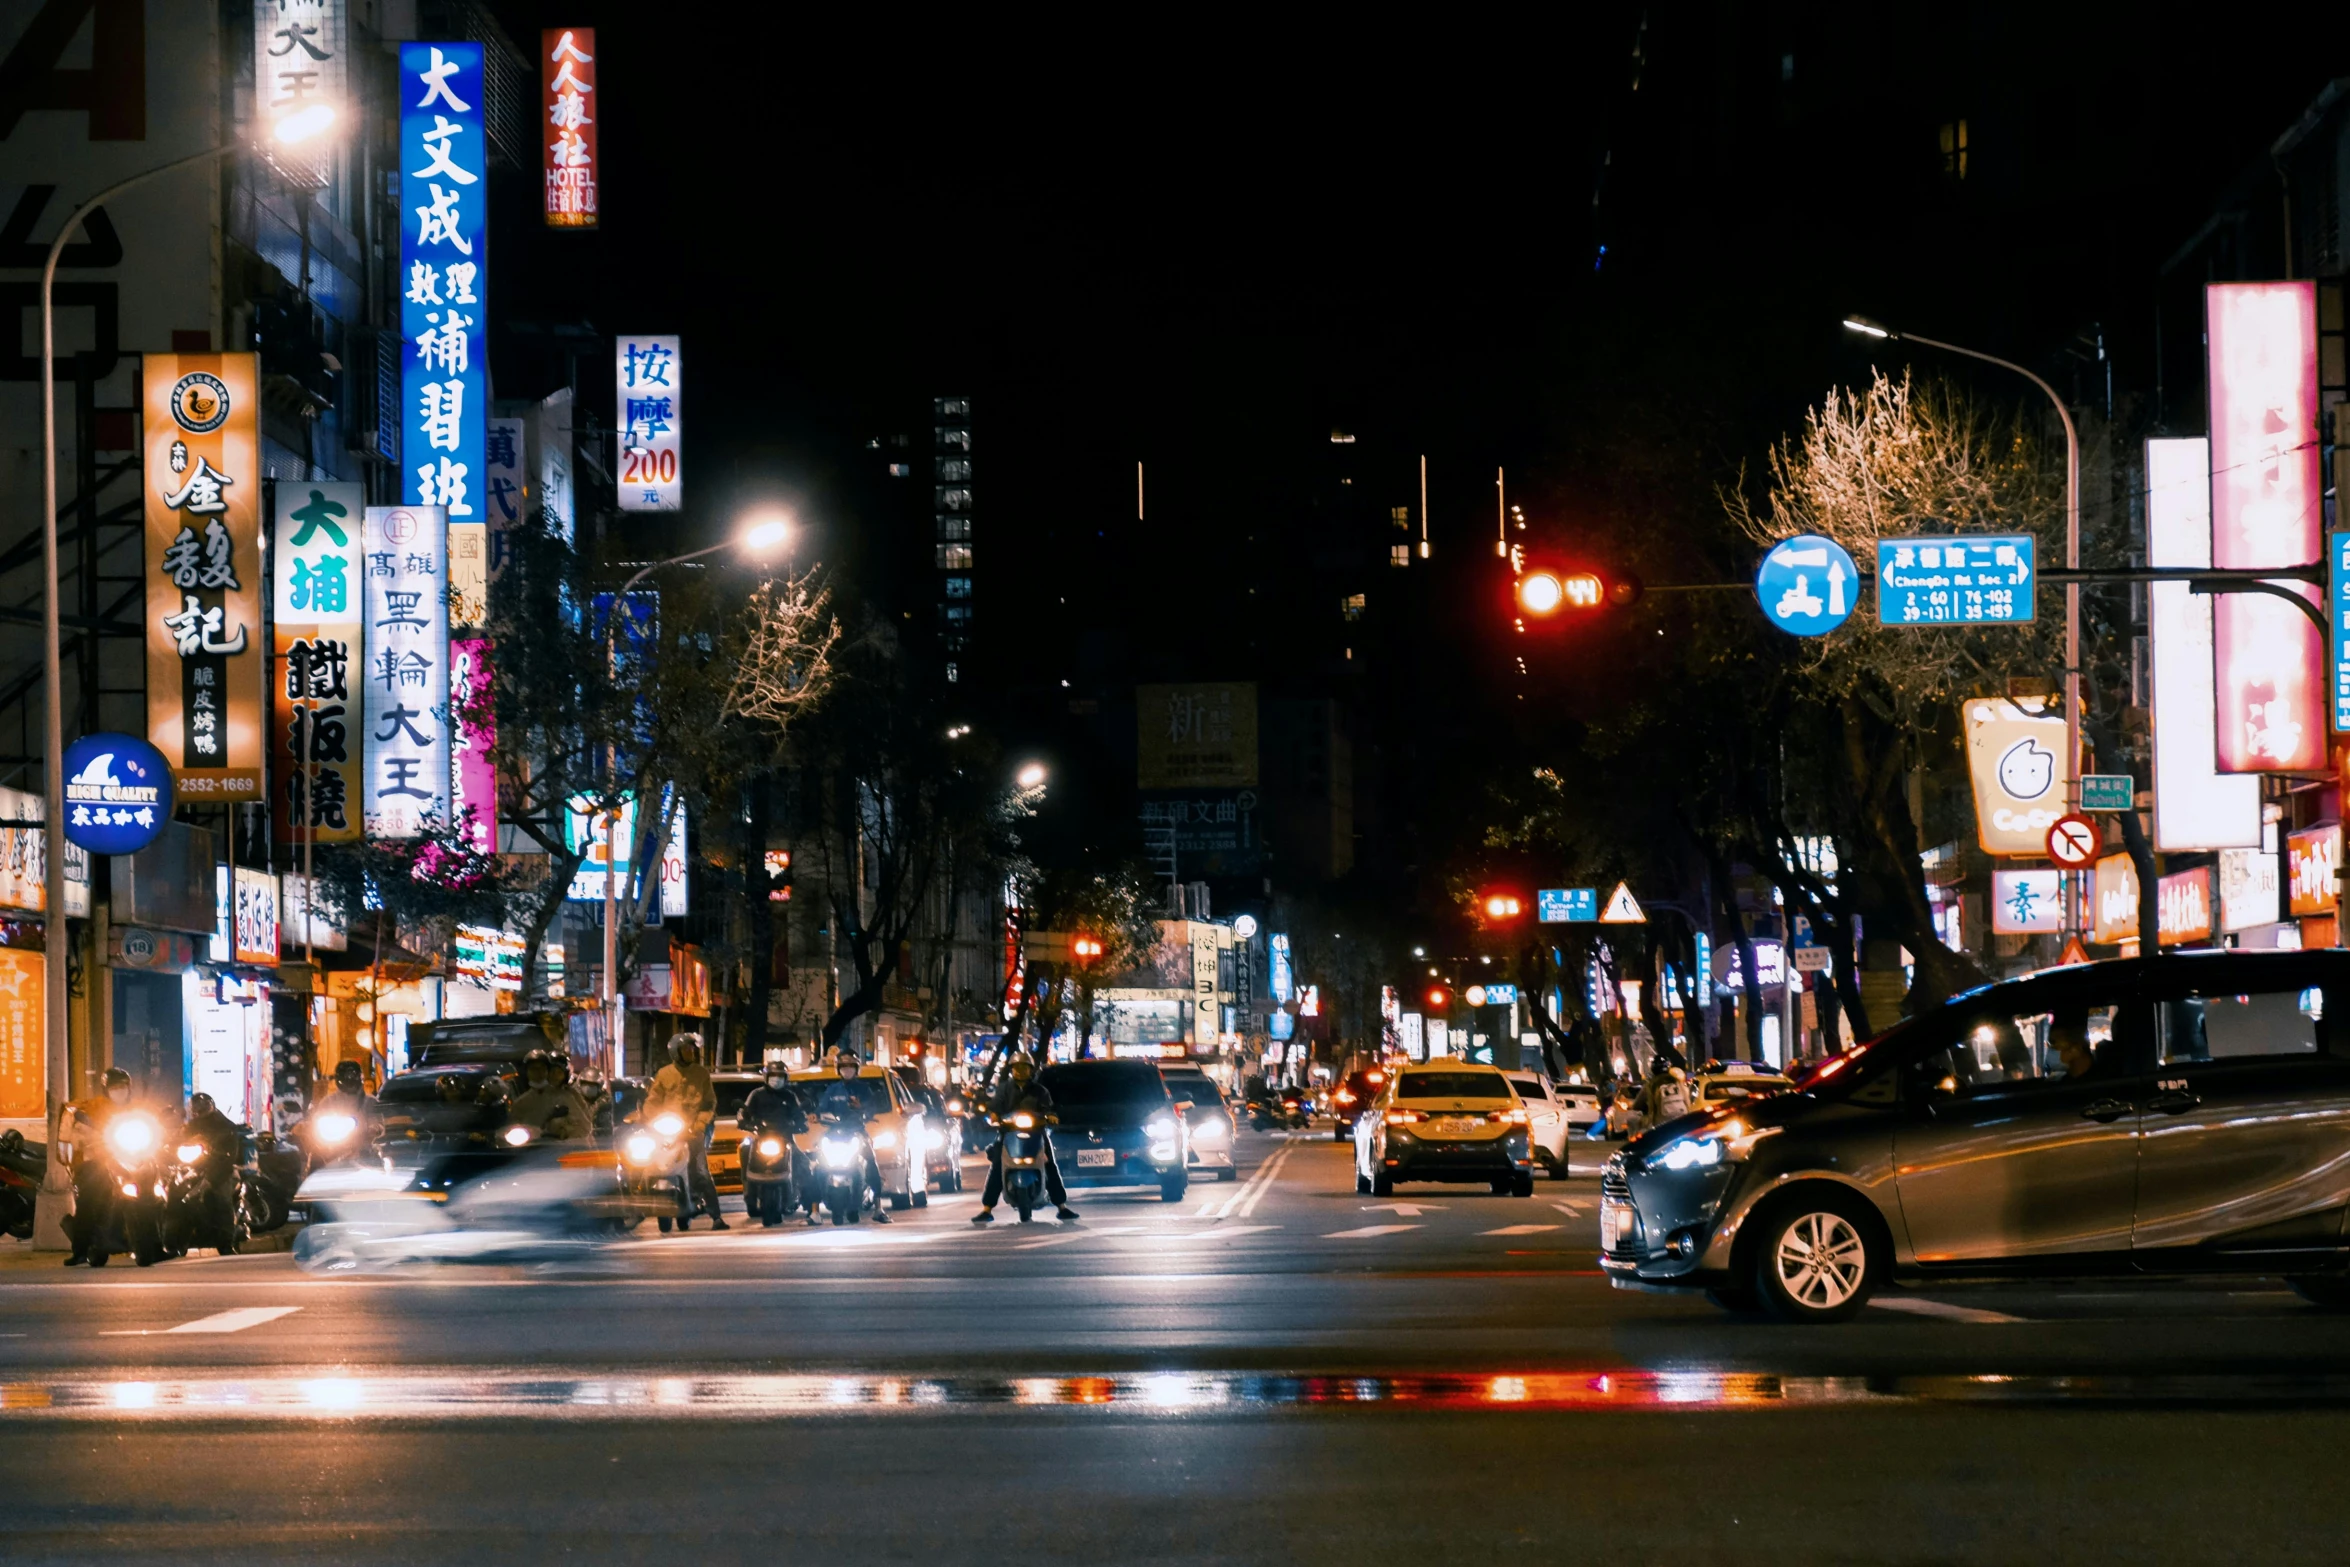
[18, 1255]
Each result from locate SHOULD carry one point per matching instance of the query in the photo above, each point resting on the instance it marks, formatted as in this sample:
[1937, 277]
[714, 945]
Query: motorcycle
[767, 1172]
[652, 1163]
[131, 1158]
[520, 1199]
[841, 1156]
[1024, 1158]
[23, 1166]
[206, 1201]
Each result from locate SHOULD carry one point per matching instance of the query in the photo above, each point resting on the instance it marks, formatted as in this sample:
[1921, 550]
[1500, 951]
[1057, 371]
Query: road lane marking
[1252, 1192]
[1225, 1233]
[1573, 1210]
[1369, 1230]
[1523, 1229]
[1919, 1306]
[1404, 1210]
[1077, 1233]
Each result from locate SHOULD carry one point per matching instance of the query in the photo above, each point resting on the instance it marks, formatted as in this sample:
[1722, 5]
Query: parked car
[1445, 1121]
[1547, 1127]
[1581, 1103]
[1208, 1122]
[1116, 1125]
[2182, 1114]
[501, 1040]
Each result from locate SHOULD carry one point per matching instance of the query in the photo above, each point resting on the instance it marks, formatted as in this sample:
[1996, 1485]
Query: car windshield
[731, 1092]
[1529, 1088]
[872, 1092]
[1452, 1085]
[1103, 1083]
[1194, 1091]
[419, 1088]
[1745, 1087]
[1853, 1062]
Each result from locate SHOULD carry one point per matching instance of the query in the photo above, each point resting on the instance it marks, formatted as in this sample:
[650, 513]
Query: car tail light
[1404, 1117]
[1510, 1117]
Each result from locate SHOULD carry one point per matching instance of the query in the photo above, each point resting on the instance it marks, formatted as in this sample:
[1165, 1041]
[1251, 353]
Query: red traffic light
[1085, 949]
[1501, 905]
[1439, 999]
[1542, 591]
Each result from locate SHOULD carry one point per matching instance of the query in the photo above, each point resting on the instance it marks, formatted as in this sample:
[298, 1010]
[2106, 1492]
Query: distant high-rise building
[951, 511]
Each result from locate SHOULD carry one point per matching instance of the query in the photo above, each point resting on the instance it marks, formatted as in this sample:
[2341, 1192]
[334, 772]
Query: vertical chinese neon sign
[407, 606]
[649, 383]
[315, 556]
[444, 277]
[567, 73]
[2266, 510]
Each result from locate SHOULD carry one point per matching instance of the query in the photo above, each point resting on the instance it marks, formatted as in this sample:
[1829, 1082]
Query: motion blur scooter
[520, 1200]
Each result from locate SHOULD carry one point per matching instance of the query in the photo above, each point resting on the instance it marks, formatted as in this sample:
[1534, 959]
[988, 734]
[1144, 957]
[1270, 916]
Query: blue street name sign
[1500, 995]
[1807, 585]
[2107, 791]
[1566, 906]
[2338, 627]
[1980, 580]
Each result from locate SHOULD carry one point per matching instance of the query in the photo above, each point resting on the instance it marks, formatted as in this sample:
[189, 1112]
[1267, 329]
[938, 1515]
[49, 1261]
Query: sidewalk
[21, 1256]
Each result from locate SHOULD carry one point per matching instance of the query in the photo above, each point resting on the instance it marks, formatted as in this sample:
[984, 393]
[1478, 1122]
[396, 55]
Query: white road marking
[1077, 1235]
[1224, 1233]
[1244, 1202]
[1918, 1305]
[236, 1321]
[1573, 1210]
[1369, 1230]
[1404, 1209]
[1524, 1229]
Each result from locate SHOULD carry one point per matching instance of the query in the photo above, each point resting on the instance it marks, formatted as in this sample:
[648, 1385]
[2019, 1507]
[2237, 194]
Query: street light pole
[2072, 533]
[760, 536]
[53, 939]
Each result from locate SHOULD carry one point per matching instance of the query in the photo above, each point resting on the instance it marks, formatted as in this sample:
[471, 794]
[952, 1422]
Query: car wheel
[1362, 1184]
[1382, 1185]
[1172, 1188]
[1228, 1173]
[1813, 1263]
[2326, 1291]
[1502, 1187]
[1337, 1133]
[922, 1199]
[899, 1202]
[1523, 1186]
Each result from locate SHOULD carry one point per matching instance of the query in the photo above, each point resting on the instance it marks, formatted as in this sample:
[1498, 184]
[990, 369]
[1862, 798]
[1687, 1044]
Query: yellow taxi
[893, 1117]
[726, 1139]
[1445, 1120]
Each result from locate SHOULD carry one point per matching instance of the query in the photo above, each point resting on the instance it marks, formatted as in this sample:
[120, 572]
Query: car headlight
[336, 1128]
[1703, 1150]
[131, 1135]
[932, 1139]
[515, 1136]
[885, 1139]
[770, 1147]
[1161, 1127]
[191, 1152]
[669, 1123]
[1210, 1134]
[640, 1148]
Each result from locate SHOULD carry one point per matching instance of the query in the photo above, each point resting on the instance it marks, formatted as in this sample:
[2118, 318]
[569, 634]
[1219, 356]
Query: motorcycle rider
[1021, 1091]
[842, 1106]
[224, 1150]
[349, 1097]
[93, 1191]
[773, 1104]
[549, 1105]
[684, 1086]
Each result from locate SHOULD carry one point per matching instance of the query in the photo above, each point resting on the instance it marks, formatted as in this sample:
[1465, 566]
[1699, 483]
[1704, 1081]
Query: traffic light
[1087, 950]
[1541, 593]
[776, 864]
[1499, 906]
[1439, 998]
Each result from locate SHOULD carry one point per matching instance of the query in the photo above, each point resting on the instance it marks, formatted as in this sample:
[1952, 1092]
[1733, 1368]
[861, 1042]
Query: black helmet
[116, 1077]
[559, 1066]
[449, 1085]
[535, 1060]
[200, 1103]
[346, 1072]
[685, 1042]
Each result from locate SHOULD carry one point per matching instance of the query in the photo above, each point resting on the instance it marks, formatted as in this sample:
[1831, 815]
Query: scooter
[841, 1155]
[519, 1200]
[1024, 1157]
[207, 1201]
[131, 1157]
[767, 1172]
[652, 1166]
[23, 1166]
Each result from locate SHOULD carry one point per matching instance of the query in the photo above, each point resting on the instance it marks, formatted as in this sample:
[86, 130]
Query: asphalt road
[1275, 1369]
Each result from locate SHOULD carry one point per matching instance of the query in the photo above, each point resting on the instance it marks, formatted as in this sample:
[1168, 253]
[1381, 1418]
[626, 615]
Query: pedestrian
[684, 1086]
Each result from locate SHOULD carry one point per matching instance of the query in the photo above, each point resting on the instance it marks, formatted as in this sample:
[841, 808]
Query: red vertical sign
[567, 70]
[24, 1046]
[2266, 510]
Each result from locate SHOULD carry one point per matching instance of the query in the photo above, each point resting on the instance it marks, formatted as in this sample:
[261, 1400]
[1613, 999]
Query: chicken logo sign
[2016, 755]
[117, 793]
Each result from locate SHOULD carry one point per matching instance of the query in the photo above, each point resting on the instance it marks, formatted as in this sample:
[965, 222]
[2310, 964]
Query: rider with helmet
[548, 1104]
[684, 1086]
[223, 1142]
[842, 1106]
[1021, 1091]
[773, 1104]
[93, 1192]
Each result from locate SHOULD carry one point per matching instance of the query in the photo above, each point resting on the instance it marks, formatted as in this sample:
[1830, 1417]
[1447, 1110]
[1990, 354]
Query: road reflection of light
[1506, 1390]
[673, 1390]
[1036, 1390]
[334, 1393]
[1687, 1387]
[930, 1392]
[1168, 1391]
[889, 1391]
[1089, 1390]
[846, 1390]
[134, 1395]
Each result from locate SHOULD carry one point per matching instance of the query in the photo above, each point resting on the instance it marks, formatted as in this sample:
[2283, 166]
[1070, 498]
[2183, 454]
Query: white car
[1583, 1108]
[1549, 1119]
[893, 1117]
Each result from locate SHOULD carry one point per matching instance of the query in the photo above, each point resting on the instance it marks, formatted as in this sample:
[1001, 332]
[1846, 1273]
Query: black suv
[1116, 1126]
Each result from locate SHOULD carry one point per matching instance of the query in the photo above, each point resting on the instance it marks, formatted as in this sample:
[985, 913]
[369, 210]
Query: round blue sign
[117, 793]
[1807, 585]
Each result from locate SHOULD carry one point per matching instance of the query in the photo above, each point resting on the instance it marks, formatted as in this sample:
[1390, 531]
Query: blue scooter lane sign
[1807, 585]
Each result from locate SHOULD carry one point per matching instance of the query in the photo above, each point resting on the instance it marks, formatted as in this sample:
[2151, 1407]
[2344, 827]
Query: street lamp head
[1866, 327]
[765, 535]
[303, 124]
[1032, 776]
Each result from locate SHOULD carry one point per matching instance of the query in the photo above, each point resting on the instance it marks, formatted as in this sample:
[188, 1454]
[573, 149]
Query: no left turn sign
[2073, 842]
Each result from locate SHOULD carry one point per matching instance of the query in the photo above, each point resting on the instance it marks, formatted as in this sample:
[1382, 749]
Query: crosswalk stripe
[1524, 1229]
[1077, 1235]
[1369, 1230]
[236, 1321]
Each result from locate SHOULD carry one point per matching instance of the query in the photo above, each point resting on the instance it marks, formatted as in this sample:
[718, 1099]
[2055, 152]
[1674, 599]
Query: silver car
[2188, 1113]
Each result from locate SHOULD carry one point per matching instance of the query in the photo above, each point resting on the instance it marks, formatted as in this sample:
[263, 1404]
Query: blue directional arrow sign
[1984, 579]
[1807, 585]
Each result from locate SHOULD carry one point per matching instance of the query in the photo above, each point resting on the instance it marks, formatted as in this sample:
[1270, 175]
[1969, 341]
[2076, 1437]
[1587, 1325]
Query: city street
[1274, 1367]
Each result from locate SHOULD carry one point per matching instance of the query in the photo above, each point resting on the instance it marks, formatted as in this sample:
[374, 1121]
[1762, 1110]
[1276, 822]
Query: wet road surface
[1274, 1369]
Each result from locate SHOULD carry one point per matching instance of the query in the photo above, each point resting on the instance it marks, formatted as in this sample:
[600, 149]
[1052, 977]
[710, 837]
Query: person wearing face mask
[773, 1107]
[842, 1106]
[548, 1104]
[93, 1192]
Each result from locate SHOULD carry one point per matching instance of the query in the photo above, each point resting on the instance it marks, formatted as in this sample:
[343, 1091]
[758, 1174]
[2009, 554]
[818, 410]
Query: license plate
[1097, 1158]
[1456, 1128]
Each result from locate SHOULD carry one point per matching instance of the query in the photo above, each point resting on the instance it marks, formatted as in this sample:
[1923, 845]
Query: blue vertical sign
[444, 279]
[2338, 626]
